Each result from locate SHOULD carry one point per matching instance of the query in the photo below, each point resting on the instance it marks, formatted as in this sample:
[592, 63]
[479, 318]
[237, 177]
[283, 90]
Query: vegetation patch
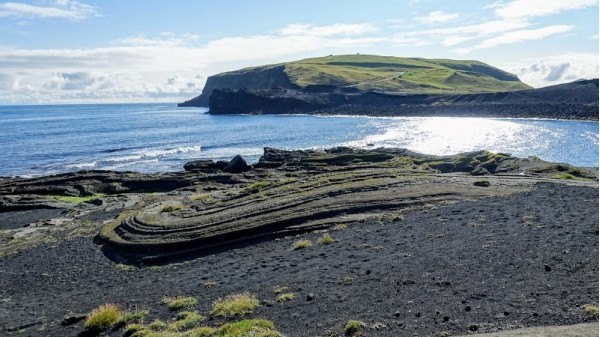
[234, 305]
[171, 208]
[157, 325]
[177, 303]
[353, 327]
[279, 289]
[326, 239]
[257, 186]
[248, 327]
[301, 244]
[104, 317]
[285, 297]
[133, 328]
[75, 200]
[199, 197]
[590, 310]
[185, 320]
[132, 317]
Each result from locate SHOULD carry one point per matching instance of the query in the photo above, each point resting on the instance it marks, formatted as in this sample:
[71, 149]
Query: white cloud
[518, 36]
[450, 36]
[556, 69]
[329, 30]
[532, 8]
[163, 67]
[437, 17]
[60, 9]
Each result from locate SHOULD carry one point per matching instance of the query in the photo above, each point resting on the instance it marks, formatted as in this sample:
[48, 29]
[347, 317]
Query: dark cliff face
[256, 78]
[577, 100]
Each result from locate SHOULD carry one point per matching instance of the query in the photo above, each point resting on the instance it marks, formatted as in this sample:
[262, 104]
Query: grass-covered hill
[369, 72]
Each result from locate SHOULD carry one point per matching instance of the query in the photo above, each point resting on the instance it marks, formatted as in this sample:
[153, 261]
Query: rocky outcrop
[255, 78]
[292, 191]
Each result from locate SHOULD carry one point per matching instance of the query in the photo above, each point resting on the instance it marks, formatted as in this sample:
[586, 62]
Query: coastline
[417, 240]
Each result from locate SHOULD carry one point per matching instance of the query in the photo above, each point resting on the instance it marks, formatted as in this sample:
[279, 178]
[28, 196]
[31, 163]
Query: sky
[64, 51]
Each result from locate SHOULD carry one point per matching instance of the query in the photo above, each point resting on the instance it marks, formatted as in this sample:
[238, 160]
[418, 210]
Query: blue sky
[54, 51]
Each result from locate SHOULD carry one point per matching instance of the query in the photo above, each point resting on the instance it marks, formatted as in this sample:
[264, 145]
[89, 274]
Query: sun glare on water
[442, 136]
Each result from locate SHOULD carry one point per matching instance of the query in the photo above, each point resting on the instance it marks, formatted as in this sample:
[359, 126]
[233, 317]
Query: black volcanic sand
[529, 259]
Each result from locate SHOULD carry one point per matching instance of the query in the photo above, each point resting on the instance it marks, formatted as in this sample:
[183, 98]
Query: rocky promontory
[577, 100]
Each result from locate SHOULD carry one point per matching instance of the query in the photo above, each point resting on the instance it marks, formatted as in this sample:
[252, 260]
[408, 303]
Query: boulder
[237, 165]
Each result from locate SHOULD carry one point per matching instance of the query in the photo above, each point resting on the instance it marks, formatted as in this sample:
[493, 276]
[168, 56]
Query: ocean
[40, 140]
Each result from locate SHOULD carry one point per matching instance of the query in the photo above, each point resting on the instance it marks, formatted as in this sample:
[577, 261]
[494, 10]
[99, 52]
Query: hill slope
[368, 72]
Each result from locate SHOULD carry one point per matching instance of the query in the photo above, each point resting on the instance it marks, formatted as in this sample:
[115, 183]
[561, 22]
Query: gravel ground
[529, 259]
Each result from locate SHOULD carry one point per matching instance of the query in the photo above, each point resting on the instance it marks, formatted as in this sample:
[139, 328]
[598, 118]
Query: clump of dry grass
[301, 244]
[285, 297]
[104, 317]
[234, 305]
[326, 239]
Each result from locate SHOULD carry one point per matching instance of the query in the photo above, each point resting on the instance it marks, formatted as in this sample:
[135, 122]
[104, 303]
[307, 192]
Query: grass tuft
[185, 320]
[340, 226]
[75, 200]
[326, 239]
[279, 289]
[132, 317]
[590, 310]
[257, 186]
[285, 297]
[199, 197]
[103, 317]
[234, 305]
[177, 303]
[300, 244]
[131, 329]
[353, 327]
[157, 325]
[247, 327]
[171, 208]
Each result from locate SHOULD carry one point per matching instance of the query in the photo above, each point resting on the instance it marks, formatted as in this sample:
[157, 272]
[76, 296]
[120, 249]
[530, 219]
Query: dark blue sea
[38, 140]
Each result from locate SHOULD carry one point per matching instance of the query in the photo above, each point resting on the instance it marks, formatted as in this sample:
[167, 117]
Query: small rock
[70, 320]
[468, 308]
[482, 183]
[445, 318]
[310, 296]
[418, 314]
[267, 303]
[397, 314]
[547, 268]
[96, 202]
[368, 272]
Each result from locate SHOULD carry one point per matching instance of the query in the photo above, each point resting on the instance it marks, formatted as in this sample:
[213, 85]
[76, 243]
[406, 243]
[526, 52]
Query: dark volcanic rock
[577, 100]
[237, 165]
[205, 165]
